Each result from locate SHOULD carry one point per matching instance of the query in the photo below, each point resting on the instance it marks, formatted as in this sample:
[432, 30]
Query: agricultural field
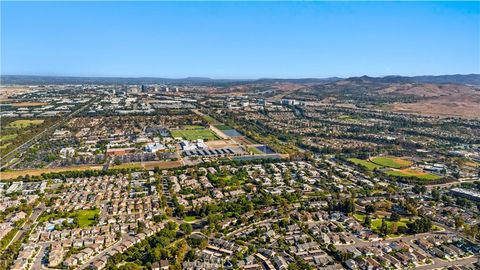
[365, 163]
[24, 123]
[193, 133]
[413, 173]
[391, 162]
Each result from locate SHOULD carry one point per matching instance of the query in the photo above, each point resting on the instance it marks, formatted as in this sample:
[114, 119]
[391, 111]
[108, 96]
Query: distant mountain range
[469, 79]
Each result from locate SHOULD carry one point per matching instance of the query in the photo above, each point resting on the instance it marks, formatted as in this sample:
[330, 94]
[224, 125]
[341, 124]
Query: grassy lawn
[127, 166]
[7, 137]
[210, 120]
[223, 127]
[255, 150]
[24, 123]
[194, 127]
[189, 219]
[5, 145]
[359, 217]
[377, 222]
[391, 162]
[85, 217]
[194, 133]
[365, 163]
[414, 173]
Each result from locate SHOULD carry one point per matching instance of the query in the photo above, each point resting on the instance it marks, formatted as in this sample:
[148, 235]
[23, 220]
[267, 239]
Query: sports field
[24, 123]
[413, 173]
[365, 163]
[194, 132]
[391, 162]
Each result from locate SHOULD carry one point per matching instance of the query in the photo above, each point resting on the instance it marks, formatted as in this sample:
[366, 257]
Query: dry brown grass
[35, 172]
[221, 143]
[28, 104]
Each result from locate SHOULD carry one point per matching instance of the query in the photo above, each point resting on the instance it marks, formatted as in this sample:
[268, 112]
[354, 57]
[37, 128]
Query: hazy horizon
[225, 40]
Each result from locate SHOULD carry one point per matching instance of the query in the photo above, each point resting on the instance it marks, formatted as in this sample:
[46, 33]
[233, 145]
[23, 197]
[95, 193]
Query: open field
[365, 163]
[223, 127]
[194, 134]
[196, 127]
[244, 140]
[413, 173]
[210, 120]
[254, 150]
[5, 145]
[28, 104]
[149, 165]
[85, 217]
[7, 137]
[6, 175]
[377, 222]
[35, 172]
[391, 162]
[221, 143]
[24, 123]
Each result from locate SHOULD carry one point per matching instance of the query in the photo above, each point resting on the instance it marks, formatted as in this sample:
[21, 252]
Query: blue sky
[240, 39]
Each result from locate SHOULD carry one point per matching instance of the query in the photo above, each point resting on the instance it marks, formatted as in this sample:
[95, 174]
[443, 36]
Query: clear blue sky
[239, 39]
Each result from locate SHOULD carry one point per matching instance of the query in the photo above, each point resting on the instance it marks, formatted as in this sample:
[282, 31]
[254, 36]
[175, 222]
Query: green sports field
[223, 127]
[193, 133]
[24, 123]
[414, 173]
[391, 162]
[365, 163]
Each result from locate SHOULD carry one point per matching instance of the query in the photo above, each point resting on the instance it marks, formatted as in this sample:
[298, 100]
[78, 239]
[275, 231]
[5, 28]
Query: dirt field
[221, 143]
[412, 172]
[162, 164]
[34, 172]
[149, 165]
[244, 140]
[439, 107]
[28, 104]
[9, 91]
